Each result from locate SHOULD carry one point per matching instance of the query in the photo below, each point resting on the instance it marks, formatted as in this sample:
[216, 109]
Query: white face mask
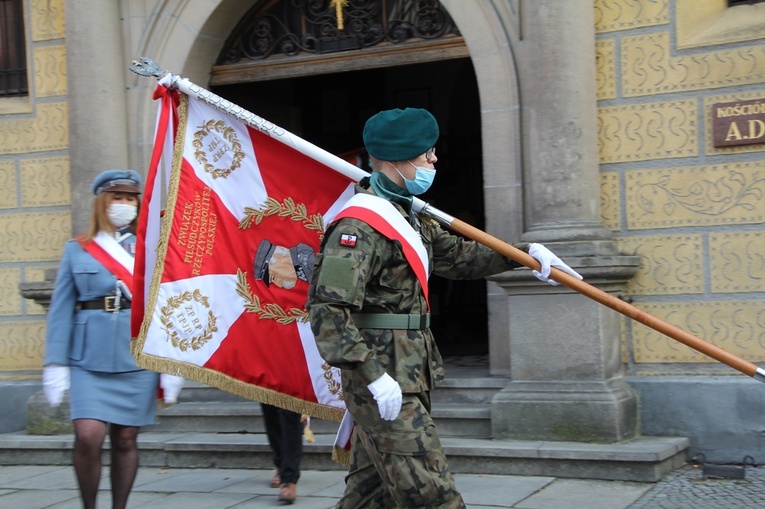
[121, 214]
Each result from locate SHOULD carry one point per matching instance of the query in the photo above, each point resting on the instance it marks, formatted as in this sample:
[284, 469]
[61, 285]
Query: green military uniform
[397, 463]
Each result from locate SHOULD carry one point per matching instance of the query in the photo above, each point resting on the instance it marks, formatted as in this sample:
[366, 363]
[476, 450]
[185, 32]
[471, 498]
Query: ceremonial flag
[157, 179]
[224, 300]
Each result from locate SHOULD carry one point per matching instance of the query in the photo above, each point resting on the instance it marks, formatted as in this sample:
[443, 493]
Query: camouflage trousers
[397, 464]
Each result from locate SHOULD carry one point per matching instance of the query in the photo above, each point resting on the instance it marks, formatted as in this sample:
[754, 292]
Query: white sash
[393, 217]
[115, 250]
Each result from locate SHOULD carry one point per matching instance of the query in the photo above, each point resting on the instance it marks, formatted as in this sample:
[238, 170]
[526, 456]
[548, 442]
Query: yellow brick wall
[35, 218]
[693, 212]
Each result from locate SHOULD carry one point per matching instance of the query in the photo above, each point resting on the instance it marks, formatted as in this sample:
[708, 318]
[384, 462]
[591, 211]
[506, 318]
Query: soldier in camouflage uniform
[363, 286]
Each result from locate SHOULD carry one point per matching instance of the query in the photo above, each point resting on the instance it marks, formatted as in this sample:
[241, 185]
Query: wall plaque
[738, 123]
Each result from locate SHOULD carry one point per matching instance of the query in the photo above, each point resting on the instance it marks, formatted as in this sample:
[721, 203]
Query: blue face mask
[423, 179]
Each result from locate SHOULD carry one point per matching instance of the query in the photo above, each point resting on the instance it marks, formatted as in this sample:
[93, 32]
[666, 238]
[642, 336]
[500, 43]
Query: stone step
[468, 390]
[193, 434]
[452, 419]
[221, 417]
[461, 408]
[646, 459]
[457, 390]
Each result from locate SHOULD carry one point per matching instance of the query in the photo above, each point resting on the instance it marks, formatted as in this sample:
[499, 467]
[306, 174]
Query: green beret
[117, 181]
[399, 135]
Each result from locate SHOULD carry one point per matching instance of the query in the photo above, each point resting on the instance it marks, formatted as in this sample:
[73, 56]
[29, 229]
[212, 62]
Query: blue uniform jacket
[93, 339]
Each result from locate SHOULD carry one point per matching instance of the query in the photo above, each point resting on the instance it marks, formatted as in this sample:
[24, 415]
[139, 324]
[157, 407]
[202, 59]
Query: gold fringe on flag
[234, 386]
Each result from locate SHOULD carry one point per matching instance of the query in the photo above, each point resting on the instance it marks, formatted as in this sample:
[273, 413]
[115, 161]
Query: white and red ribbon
[381, 215]
[112, 256]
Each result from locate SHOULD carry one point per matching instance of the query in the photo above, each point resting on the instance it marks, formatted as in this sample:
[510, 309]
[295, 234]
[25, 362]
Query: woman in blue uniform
[88, 342]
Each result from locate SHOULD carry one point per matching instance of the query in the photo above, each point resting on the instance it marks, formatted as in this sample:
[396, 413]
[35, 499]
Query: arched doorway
[329, 109]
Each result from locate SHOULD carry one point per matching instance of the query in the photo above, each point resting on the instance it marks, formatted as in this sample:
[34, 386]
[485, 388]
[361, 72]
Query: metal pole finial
[147, 67]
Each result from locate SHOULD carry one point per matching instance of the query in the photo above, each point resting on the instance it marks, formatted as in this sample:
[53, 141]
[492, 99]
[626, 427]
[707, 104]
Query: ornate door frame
[186, 37]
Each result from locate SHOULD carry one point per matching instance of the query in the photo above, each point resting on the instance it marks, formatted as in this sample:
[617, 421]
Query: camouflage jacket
[375, 277]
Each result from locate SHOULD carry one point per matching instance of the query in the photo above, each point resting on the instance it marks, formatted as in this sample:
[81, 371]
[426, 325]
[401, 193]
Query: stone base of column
[569, 231]
[594, 411]
[565, 357]
[43, 419]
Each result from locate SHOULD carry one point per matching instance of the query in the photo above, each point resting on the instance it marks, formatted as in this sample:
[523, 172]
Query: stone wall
[692, 211]
[35, 218]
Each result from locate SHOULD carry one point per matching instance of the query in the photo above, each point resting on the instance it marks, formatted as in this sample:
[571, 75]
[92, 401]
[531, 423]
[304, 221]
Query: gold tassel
[341, 456]
[307, 431]
[339, 4]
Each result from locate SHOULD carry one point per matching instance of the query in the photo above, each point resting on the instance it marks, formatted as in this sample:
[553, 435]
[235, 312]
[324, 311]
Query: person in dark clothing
[285, 436]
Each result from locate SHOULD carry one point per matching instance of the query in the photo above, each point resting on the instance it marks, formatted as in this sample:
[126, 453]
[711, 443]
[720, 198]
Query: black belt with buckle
[108, 303]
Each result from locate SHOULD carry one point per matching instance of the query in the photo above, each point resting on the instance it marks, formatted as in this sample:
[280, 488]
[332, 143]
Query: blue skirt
[128, 399]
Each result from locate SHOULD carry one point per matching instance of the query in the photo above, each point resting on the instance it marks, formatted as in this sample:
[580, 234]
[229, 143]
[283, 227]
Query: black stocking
[89, 435]
[124, 462]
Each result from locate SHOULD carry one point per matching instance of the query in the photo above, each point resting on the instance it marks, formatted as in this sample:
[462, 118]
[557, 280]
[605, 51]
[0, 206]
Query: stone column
[560, 122]
[97, 98]
[565, 359]
[565, 356]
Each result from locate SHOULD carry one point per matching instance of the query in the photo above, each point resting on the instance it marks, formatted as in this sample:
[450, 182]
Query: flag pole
[608, 300]
[147, 67]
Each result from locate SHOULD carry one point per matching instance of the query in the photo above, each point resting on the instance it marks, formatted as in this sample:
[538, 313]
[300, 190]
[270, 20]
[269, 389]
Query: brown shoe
[288, 493]
[276, 481]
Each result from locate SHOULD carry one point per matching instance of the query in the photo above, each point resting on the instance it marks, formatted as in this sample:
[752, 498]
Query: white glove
[547, 259]
[171, 387]
[56, 381]
[387, 393]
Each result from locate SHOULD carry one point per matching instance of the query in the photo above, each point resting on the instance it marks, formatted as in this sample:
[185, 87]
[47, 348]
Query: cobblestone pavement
[686, 488]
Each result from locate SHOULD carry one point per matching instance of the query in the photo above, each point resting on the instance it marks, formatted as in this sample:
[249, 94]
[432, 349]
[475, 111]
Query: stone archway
[186, 37]
[488, 29]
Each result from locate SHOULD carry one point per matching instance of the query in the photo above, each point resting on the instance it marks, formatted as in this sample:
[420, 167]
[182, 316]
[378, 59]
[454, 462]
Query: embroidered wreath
[228, 134]
[288, 208]
[334, 387]
[196, 342]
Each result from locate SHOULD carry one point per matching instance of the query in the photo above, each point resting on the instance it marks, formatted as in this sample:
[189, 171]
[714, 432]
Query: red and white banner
[222, 276]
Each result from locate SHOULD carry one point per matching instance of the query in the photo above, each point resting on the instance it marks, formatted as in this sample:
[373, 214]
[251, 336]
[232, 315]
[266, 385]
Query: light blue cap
[117, 181]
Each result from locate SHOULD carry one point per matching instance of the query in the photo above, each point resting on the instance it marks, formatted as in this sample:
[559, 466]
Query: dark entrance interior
[330, 111]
